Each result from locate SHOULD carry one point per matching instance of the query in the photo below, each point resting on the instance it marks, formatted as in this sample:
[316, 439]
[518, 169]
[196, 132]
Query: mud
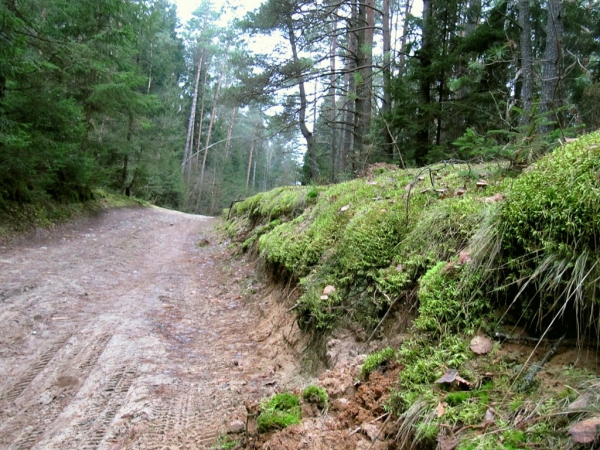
[133, 329]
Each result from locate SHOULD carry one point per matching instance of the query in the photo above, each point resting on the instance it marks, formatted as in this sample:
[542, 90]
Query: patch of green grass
[225, 442]
[278, 412]
[315, 394]
[375, 360]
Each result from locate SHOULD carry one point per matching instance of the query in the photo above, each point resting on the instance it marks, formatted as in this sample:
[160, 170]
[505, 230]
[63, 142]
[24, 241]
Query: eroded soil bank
[133, 329]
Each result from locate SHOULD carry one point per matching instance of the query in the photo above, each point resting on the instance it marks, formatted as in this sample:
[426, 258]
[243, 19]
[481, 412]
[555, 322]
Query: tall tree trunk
[213, 114]
[404, 38]
[201, 121]
[348, 107]
[333, 106]
[229, 133]
[423, 114]
[308, 136]
[364, 58]
[551, 95]
[526, 63]
[386, 104]
[250, 163]
[187, 152]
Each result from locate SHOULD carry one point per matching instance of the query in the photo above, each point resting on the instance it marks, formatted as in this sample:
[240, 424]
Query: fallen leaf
[464, 257]
[481, 345]
[329, 290]
[489, 416]
[452, 376]
[584, 432]
[448, 377]
[440, 410]
[580, 403]
[345, 208]
[494, 198]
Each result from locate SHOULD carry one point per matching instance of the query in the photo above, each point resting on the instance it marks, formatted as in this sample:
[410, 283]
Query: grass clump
[375, 360]
[542, 243]
[278, 412]
[316, 395]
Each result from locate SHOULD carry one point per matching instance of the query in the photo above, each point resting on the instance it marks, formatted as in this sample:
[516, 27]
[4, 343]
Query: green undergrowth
[540, 250]
[370, 238]
[480, 406]
[278, 412]
[18, 218]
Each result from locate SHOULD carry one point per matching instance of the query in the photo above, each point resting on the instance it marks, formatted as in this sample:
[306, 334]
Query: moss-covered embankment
[480, 250]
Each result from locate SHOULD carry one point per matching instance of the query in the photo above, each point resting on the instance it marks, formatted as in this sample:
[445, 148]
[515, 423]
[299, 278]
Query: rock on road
[126, 330]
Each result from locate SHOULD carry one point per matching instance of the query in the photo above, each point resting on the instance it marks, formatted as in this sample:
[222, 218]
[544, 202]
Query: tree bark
[551, 97]
[308, 136]
[333, 106]
[386, 104]
[187, 152]
[526, 63]
[250, 163]
[423, 114]
[364, 60]
[213, 114]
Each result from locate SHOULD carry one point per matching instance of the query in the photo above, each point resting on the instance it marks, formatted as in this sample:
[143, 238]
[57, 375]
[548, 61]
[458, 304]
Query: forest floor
[137, 329]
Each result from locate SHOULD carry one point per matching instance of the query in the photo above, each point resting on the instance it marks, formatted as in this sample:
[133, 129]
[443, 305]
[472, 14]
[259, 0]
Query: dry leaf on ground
[584, 432]
[481, 345]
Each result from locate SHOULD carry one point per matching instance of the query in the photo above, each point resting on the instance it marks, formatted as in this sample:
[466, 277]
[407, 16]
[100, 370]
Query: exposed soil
[134, 329]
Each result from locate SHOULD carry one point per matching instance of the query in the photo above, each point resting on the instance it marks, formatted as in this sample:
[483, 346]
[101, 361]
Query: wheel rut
[121, 332]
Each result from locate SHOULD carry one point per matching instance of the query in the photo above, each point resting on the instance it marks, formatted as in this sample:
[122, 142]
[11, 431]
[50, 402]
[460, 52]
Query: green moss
[375, 360]
[278, 412]
[315, 394]
[449, 302]
[542, 242]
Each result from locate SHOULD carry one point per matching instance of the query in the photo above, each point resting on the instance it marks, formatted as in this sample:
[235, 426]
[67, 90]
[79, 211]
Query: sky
[186, 7]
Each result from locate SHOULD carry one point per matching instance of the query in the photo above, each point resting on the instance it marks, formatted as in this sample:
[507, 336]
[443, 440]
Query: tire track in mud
[158, 345]
[89, 356]
[25, 380]
[105, 406]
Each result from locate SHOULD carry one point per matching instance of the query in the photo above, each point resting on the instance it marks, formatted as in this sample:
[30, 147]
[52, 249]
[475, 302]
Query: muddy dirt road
[131, 329]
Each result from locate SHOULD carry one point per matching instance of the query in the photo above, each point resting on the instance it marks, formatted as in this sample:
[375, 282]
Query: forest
[119, 95]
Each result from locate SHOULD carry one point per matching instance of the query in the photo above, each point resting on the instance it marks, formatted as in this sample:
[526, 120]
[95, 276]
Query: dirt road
[131, 329]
